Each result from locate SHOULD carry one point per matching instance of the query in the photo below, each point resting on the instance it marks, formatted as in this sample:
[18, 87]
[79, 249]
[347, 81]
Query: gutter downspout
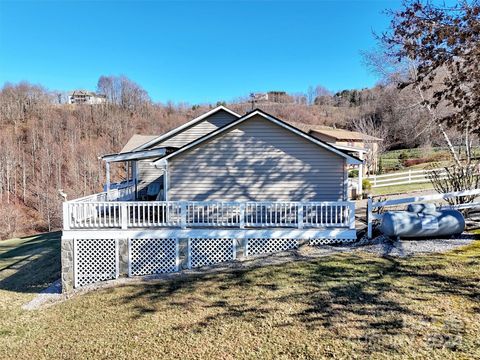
[163, 165]
[134, 177]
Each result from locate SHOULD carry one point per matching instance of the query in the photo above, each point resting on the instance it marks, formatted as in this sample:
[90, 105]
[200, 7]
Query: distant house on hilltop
[86, 97]
[279, 97]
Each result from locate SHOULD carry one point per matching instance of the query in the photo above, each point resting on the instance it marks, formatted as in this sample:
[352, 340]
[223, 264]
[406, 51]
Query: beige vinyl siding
[213, 122]
[257, 160]
[148, 173]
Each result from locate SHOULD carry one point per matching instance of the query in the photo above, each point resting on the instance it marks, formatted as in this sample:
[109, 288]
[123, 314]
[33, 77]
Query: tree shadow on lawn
[375, 297]
[30, 264]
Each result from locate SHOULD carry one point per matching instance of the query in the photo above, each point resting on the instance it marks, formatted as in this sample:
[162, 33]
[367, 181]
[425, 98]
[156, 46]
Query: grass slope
[401, 189]
[30, 264]
[351, 305]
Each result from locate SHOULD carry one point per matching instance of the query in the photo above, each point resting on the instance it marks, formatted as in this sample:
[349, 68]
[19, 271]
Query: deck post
[360, 176]
[66, 216]
[189, 254]
[242, 215]
[300, 215]
[351, 214]
[124, 215]
[107, 175]
[369, 218]
[183, 214]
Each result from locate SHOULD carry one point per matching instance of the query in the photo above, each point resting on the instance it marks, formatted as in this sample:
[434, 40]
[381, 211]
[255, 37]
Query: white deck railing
[93, 213]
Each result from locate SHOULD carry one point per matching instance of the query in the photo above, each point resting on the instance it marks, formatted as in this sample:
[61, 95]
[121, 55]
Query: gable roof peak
[351, 159]
[187, 125]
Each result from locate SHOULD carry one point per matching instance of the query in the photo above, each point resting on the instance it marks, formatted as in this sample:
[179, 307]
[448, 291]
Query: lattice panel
[266, 246]
[153, 256]
[330, 241]
[210, 251]
[95, 260]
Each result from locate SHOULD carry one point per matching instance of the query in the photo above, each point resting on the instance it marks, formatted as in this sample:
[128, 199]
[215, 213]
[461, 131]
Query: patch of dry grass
[343, 306]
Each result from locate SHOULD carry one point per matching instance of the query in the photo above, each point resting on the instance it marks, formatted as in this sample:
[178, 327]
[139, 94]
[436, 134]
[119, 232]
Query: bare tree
[456, 178]
[441, 47]
[123, 92]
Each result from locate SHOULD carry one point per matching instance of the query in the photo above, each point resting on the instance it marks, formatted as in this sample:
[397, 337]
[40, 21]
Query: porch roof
[138, 155]
[135, 141]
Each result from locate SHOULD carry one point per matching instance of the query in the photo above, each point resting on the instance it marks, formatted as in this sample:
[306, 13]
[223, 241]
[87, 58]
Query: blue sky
[191, 52]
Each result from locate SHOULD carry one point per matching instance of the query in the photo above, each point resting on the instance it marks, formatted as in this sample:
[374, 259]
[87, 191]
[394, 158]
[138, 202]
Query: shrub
[367, 185]
[353, 173]
[411, 162]
[402, 157]
[456, 178]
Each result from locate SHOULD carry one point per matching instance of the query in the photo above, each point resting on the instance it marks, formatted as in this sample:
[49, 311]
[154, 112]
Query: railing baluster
[109, 214]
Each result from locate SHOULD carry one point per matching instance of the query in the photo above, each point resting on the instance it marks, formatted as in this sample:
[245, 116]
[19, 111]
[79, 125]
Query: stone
[123, 257]
[182, 253]
[67, 264]
[240, 247]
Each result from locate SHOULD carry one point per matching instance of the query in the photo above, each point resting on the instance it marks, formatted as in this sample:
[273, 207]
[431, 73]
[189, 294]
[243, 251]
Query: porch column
[360, 175]
[134, 177]
[166, 182]
[107, 169]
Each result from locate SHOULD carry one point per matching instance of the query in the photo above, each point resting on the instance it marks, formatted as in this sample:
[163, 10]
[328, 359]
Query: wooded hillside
[46, 146]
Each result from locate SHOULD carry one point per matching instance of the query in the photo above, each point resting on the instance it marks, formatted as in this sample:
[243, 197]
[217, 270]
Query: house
[86, 97]
[220, 187]
[279, 97]
[353, 141]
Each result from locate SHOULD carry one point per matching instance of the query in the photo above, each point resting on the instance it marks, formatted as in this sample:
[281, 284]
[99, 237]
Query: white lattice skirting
[95, 260]
[267, 246]
[330, 241]
[99, 256]
[152, 256]
[203, 252]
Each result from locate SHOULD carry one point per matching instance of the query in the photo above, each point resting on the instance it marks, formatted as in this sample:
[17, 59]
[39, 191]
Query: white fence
[402, 178]
[371, 205]
[95, 214]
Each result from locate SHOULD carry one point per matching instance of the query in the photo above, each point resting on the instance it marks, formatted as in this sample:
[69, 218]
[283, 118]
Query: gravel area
[381, 246]
[49, 296]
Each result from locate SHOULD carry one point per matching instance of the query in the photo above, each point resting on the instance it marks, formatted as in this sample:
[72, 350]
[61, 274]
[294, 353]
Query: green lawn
[30, 264]
[391, 163]
[400, 189]
[352, 305]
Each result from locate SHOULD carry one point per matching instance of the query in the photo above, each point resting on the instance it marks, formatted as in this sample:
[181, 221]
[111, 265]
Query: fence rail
[193, 214]
[403, 178]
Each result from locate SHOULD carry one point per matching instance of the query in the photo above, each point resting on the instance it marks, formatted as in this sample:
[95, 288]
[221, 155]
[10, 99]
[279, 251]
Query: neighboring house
[352, 141]
[219, 187]
[86, 97]
[279, 97]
